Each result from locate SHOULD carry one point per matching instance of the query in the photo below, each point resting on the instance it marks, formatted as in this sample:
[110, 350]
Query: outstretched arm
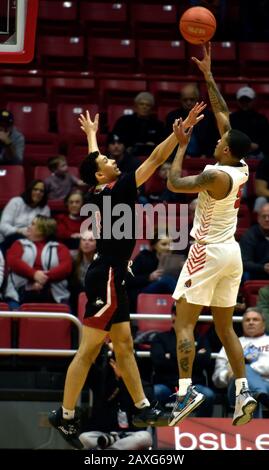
[90, 128]
[217, 183]
[217, 101]
[165, 148]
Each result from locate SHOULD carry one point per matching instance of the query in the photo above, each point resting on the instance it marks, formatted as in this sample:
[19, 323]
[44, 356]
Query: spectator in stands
[11, 140]
[141, 131]
[116, 149]
[263, 304]
[205, 135]
[255, 345]
[68, 224]
[165, 369]
[21, 210]
[83, 259]
[148, 271]
[38, 266]
[262, 184]
[248, 120]
[60, 182]
[254, 245]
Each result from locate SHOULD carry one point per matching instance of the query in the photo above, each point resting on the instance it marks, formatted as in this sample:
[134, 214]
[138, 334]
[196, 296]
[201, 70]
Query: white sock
[68, 414]
[183, 385]
[142, 403]
[239, 384]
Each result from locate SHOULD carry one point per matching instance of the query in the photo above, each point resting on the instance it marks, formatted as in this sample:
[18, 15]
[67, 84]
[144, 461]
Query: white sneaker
[245, 406]
[185, 405]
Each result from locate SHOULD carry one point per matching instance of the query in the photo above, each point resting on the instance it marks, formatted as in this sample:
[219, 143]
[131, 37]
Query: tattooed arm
[216, 182]
[217, 101]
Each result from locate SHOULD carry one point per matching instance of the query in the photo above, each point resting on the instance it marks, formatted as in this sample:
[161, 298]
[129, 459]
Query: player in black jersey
[107, 306]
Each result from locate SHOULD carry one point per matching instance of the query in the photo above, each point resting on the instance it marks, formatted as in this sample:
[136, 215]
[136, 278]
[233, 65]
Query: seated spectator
[83, 259]
[38, 266]
[165, 368]
[255, 345]
[60, 183]
[262, 184]
[68, 225]
[116, 149]
[141, 131]
[148, 271]
[254, 245]
[19, 212]
[205, 134]
[248, 120]
[12, 141]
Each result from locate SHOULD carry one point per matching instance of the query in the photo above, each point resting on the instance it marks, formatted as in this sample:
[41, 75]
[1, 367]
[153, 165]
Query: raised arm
[216, 182]
[90, 128]
[165, 148]
[217, 101]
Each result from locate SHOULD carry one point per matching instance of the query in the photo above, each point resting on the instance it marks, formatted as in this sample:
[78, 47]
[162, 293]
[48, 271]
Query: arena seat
[12, 182]
[114, 111]
[119, 56]
[253, 58]
[153, 20]
[21, 88]
[70, 90]
[42, 172]
[154, 303]
[224, 57]
[251, 290]
[120, 91]
[161, 56]
[60, 52]
[103, 18]
[5, 328]
[67, 121]
[43, 333]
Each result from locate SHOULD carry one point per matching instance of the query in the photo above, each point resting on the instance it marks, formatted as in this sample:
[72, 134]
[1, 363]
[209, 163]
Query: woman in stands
[20, 211]
[68, 224]
[38, 266]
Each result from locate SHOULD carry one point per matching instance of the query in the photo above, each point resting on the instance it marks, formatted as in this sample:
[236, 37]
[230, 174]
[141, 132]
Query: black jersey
[116, 204]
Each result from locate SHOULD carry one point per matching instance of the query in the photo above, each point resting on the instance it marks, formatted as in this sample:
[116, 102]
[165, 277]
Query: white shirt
[215, 221]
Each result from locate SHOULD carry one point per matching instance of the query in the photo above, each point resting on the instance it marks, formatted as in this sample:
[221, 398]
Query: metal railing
[75, 320]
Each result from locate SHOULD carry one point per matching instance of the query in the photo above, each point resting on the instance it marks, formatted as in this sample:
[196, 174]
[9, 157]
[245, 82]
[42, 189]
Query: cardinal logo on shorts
[99, 302]
[188, 283]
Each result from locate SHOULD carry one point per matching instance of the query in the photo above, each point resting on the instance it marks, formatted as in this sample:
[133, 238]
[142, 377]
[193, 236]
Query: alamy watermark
[120, 223]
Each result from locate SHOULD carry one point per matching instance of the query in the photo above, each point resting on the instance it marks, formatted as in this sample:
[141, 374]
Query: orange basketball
[197, 25]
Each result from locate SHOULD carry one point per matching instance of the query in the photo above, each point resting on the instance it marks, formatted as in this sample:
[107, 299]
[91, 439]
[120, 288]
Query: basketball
[197, 25]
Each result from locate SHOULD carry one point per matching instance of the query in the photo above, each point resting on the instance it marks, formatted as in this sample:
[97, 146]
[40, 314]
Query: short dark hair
[27, 194]
[88, 168]
[239, 143]
[53, 162]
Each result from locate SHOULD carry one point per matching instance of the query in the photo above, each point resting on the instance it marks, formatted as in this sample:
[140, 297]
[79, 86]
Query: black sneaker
[68, 428]
[150, 416]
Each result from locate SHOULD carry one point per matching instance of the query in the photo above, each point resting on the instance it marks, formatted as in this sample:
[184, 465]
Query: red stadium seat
[224, 57]
[53, 10]
[254, 58]
[120, 90]
[71, 90]
[149, 21]
[251, 290]
[154, 303]
[118, 57]
[43, 333]
[60, 52]
[244, 218]
[5, 328]
[67, 121]
[82, 300]
[21, 88]
[166, 92]
[12, 183]
[161, 56]
[28, 113]
[104, 18]
[114, 111]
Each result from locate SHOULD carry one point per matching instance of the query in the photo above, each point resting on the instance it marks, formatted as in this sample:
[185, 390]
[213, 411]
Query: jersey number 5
[238, 196]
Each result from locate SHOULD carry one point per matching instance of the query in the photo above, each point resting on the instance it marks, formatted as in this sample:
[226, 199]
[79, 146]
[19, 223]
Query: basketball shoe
[68, 428]
[245, 406]
[185, 404]
[150, 416]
